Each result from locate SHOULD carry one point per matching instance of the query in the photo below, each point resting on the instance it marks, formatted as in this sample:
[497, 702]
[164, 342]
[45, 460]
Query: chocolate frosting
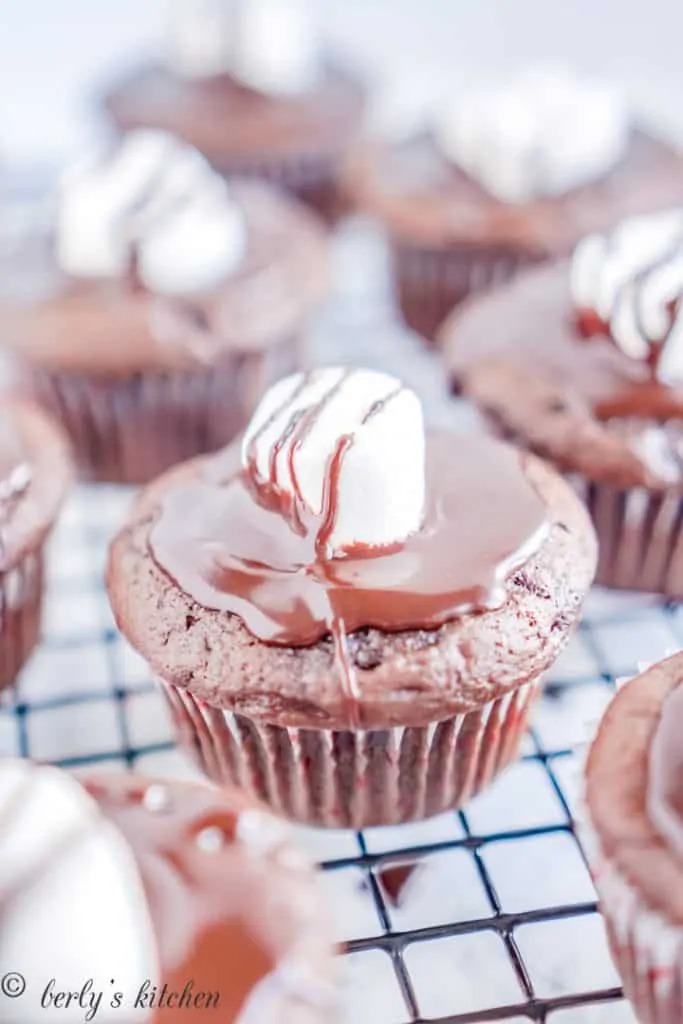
[229, 122]
[205, 914]
[239, 550]
[665, 779]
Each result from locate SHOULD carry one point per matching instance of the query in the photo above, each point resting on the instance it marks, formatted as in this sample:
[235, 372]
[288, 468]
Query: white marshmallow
[629, 279]
[161, 195]
[381, 487]
[84, 914]
[543, 134]
[269, 45]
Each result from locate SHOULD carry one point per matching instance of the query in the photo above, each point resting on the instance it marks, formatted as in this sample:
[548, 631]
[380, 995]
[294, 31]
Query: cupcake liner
[131, 429]
[21, 593]
[313, 179]
[640, 537]
[344, 779]
[646, 948]
[431, 282]
[640, 532]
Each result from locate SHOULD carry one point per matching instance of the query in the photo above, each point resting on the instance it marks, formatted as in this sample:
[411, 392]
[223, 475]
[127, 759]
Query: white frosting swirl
[269, 45]
[631, 281]
[155, 199]
[298, 428]
[543, 134]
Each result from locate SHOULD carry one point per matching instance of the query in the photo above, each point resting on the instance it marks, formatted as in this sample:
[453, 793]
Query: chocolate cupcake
[505, 179]
[159, 306]
[633, 837]
[35, 470]
[154, 902]
[582, 363]
[249, 85]
[341, 618]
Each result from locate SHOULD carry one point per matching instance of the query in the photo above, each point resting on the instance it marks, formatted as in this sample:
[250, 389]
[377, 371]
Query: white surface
[52, 53]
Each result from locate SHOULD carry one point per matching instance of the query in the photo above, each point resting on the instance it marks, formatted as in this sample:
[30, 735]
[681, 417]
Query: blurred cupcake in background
[250, 85]
[35, 470]
[632, 834]
[158, 304]
[504, 178]
[582, 363]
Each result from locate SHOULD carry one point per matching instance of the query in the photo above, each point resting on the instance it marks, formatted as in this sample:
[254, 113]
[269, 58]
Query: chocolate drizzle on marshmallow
[628, 286]
[544, 133]
[152, 212]
[339, 513]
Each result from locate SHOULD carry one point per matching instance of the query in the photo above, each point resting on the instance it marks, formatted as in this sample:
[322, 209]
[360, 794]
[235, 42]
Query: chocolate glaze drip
[245, 550]
[665, 780]
[205, 915]
[205, 911]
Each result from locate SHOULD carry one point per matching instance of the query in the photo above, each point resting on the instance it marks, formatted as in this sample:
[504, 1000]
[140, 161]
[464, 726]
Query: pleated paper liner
[130, 429]
[345, 779]
[431, 282]
[640, 532]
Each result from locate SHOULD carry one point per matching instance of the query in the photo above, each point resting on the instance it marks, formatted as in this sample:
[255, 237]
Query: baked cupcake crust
[407, 678]
[45, 449]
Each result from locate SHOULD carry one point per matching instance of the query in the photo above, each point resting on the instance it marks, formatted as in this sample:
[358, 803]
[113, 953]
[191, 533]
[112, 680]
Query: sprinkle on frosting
[268, 45]
[628, 285]
[155, 210]
[543, 134]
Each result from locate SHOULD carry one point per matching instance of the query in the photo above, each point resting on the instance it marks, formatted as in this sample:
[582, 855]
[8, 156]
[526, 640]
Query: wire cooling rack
[487, 914]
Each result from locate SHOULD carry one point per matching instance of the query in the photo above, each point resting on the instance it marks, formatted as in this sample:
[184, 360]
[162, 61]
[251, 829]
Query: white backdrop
[52, 51]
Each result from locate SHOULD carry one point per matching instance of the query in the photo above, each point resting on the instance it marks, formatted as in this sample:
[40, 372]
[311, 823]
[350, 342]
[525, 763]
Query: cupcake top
[152, 259]
[243, 76]
[35, 470]
[344, 566]
[634, 777]
[583, 361]
[533, 163]
[206, 905]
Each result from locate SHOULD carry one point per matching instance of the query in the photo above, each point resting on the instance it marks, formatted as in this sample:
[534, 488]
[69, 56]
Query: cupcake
[342, 620]
[582, 362]
[248, 83]
[159, 305]
[505, 178]
[35, 471]
[152, 902]
[633, 837]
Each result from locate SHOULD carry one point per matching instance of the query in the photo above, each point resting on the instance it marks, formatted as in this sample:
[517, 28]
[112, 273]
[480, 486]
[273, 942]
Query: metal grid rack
[487, 914]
